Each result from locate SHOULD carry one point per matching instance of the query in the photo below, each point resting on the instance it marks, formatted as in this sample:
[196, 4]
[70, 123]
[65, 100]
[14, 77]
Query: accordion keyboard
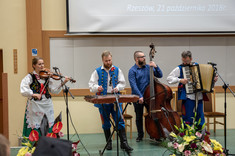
[187, 75]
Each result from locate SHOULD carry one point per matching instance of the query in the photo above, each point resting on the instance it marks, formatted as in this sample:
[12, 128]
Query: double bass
[161, 118]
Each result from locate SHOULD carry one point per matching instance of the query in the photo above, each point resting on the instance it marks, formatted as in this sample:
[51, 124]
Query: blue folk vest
[103, 78]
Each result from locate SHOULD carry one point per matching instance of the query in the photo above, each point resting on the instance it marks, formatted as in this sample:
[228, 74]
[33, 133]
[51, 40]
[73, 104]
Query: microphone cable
[76, 133]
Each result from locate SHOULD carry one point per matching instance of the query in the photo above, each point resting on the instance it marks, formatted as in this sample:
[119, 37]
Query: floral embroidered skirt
[27, 131]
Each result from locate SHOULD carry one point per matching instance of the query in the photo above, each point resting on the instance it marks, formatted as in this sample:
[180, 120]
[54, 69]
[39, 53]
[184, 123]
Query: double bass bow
[161, 118]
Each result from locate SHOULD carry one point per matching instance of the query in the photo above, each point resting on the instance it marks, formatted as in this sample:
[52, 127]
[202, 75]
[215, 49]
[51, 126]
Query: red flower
[208, 133]
[74, 147]
[187, 122]
[112, 69]
[75, 153]
[193, 145]
[33, 136]
[57, 127]
[182, 134]
[207, 139]
[61, 134]
[51, 135]
[75, 144]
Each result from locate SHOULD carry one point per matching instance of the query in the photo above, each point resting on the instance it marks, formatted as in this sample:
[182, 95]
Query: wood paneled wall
[34, 29]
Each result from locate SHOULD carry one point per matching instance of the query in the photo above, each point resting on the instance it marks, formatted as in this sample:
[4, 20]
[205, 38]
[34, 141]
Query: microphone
[211, 63]
[55, 68]
[110, 81]
[151, 46]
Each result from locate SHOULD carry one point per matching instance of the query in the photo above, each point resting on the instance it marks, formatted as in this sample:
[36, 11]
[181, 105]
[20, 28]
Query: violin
[46, 73]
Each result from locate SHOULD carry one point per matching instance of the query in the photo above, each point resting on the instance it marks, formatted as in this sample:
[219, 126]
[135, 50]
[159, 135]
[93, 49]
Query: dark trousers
[139, 109]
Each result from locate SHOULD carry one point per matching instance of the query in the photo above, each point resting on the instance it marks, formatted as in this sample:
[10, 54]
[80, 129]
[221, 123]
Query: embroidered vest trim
[35, 86]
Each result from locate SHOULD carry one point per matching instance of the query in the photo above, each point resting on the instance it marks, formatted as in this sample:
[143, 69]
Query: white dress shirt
[173, 78]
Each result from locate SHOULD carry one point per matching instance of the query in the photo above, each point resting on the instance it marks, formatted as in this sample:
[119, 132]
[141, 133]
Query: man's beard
[108, 66]
[141, 63]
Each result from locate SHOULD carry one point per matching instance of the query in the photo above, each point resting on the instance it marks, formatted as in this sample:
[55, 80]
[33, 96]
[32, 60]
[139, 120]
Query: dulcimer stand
[118, 98]
[115, 126]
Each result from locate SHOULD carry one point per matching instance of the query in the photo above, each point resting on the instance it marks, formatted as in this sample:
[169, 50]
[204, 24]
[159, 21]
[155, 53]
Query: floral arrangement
[31, 142]
[29, 147]
[193, 141]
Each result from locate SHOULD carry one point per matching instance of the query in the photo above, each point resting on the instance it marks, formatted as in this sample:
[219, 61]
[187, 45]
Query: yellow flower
[33, 149]
[217, 146]
[173, 134]
[182, 123]
[216, 142]
[189, 138]
[20, 151]
[201, 154]
[27, 144]
[23, 151]
[172, 155]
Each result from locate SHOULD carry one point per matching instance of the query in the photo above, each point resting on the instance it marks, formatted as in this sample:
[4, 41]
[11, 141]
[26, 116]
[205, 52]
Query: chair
[175, 103]
[127, 117]
[210, 112]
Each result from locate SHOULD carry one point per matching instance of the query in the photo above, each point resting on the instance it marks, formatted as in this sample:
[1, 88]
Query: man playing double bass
[139, 78]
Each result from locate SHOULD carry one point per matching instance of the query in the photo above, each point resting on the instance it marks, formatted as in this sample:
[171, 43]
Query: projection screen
[150, 16]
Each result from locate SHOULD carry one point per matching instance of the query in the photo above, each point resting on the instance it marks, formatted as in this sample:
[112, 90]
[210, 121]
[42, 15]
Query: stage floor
[96, 142]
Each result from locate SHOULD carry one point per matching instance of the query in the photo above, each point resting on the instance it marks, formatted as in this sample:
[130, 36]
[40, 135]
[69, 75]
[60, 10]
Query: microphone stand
[225, 87]
[66, 91]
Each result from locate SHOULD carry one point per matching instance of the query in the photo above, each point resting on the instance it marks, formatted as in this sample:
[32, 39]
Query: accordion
[200, 78]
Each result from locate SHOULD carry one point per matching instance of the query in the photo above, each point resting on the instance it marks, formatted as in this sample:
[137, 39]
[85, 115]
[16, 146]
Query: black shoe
[138, 139]
[123, 139]
[107, 134]
[109, 146]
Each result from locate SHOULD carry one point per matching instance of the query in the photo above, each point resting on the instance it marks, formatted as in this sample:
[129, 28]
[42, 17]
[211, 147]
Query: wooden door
[3, 99]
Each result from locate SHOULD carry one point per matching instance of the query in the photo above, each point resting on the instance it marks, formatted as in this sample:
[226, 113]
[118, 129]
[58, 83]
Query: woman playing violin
[37, 90]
